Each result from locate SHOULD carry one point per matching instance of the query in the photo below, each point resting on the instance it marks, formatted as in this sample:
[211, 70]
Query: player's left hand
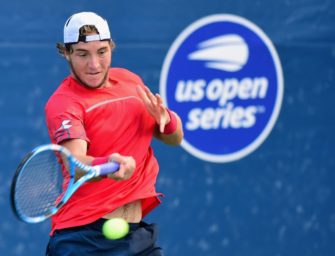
[154, 105]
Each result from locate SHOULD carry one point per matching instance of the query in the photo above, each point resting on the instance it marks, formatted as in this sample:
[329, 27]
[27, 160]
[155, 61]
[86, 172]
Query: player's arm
[78, 148]
[169, 126]
[168, 136]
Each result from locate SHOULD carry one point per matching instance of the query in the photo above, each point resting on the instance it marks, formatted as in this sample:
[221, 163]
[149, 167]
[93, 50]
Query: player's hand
[127, 167]
[154, 105]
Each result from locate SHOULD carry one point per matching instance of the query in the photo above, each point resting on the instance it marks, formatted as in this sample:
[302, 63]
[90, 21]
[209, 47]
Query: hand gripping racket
[45, 180]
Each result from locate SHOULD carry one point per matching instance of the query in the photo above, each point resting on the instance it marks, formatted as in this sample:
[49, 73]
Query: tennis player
[106, 114]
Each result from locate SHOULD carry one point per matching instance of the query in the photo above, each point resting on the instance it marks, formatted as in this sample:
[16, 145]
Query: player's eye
[81, 53]
[102, 52]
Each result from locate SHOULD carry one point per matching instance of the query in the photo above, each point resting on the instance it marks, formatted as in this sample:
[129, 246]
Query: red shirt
[112, 119]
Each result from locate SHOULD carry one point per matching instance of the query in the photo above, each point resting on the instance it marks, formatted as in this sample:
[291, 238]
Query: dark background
[277, 201]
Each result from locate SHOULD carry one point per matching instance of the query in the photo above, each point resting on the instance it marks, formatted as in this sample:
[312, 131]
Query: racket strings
[40, 185]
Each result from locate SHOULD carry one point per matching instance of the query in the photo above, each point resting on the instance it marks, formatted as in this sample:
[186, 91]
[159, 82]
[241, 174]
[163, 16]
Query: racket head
[40, 183]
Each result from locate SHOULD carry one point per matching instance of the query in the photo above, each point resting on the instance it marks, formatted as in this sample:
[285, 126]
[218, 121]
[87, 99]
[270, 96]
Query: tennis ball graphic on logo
[228, 53]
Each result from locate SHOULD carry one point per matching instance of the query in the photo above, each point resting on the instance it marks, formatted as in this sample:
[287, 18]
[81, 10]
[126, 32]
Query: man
[106, 114]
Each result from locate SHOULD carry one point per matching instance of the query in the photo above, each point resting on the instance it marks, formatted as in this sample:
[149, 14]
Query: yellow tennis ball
[115, 228]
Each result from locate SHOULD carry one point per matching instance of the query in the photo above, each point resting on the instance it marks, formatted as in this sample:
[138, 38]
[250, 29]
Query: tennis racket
[45, 180]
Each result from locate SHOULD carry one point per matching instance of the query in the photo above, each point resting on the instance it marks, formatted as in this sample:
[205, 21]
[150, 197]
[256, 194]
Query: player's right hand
[127, 167]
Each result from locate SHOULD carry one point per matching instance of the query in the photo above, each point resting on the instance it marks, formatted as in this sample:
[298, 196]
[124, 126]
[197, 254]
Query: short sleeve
[64, 118]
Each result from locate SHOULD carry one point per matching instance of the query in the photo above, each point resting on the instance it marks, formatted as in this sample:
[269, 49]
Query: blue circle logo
[223, 76]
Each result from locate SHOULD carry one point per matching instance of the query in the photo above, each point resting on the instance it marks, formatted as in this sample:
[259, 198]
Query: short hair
[83, 31]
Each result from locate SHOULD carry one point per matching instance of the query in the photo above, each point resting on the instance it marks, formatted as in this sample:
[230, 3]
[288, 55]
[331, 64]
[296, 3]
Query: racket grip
[107, 168]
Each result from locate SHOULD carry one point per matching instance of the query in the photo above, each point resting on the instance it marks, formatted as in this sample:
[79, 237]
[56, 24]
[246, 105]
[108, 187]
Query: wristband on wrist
[100, 160]
[171, 127]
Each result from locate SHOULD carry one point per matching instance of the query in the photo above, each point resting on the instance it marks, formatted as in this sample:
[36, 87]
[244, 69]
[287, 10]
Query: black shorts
[89, 240]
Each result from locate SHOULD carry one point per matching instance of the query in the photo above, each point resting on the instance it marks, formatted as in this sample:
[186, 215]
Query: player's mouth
[93, 74]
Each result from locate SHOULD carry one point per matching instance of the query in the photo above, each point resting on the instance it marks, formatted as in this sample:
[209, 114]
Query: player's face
[90, 63]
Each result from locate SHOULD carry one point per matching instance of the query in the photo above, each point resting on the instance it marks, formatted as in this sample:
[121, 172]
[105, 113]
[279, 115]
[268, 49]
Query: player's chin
[95, 83]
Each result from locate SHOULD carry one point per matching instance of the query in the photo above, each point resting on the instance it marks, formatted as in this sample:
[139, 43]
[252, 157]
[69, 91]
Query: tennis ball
[115, 228]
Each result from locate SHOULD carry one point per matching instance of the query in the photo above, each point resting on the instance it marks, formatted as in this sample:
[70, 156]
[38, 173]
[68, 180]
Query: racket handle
[107, 168]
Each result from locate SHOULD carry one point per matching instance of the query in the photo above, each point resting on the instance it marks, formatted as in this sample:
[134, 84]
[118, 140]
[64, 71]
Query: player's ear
[112, 45]
[66, 56]
[64, 50]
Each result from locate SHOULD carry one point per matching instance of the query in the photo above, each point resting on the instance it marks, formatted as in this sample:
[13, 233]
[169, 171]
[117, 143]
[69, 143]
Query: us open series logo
[223, 76]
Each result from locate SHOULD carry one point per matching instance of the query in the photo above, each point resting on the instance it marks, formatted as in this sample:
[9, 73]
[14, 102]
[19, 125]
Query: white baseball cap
[76, 21]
